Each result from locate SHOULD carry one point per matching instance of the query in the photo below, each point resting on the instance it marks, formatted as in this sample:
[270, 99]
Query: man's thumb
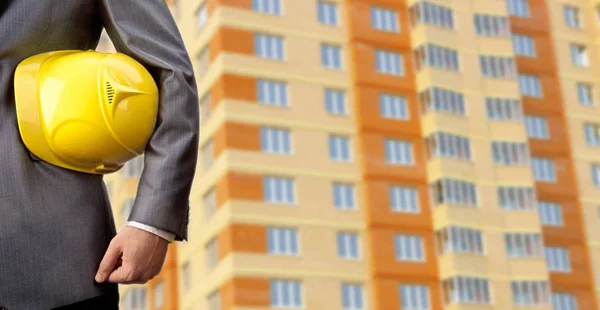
[107, 265]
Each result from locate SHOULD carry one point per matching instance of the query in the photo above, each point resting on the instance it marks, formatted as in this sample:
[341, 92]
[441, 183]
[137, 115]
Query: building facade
[388, 154]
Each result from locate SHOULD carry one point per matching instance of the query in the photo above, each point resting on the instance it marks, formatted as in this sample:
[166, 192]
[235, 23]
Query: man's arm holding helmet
[146, 31]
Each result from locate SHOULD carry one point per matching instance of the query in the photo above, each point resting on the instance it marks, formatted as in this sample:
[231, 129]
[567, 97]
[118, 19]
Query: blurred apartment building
[388, 154]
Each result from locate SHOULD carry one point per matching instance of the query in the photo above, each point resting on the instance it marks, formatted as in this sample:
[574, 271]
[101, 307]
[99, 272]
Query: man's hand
[137, 255]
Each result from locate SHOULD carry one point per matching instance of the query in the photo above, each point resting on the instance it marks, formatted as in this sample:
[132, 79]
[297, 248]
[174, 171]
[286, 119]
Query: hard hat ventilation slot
[110, 92]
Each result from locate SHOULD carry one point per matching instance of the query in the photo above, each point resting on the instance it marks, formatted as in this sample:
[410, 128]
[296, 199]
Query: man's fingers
[111, 257]
[121, 275]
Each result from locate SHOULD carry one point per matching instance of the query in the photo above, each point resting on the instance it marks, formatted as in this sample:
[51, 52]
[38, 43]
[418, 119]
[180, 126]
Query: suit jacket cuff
[159, 232]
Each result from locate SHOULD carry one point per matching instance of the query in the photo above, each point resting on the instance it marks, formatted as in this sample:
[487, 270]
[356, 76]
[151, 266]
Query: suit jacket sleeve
[146, 31]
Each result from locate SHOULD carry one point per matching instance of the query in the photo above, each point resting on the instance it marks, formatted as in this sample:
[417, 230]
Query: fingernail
[98, 278]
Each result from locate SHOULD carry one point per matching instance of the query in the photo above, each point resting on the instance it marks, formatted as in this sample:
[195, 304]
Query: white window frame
[409, 248]
[393, 107]
[331, 56]
[283, 241]
[537, 127]
[384, 19]
[550, 214]
[530, 293]
[327, 13]
[340, 148]
[275, 140]
[543, 169]
[516, 198]
[275, 186]
[573, 17]
[517, 245]
[436, 99]
[335, 102]
[389, 63]
[353, 296]
[455, 239]
[579, 55]
[269, 7]
[399, 152]
[519, 8]
[272, 93]
[455, 192]
[557, 259]
[585, 94]
[268, 46]
[530, 86]
[293, 288]
[343, 196]
[346, 242]
[524, 45]
[404, 199]
[504, 109]
[414, 297]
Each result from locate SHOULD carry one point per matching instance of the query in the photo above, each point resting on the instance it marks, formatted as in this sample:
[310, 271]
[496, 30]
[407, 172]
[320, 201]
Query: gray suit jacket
[55, 224]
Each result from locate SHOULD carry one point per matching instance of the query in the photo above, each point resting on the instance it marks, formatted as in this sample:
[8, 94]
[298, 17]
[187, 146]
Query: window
[214, 301]
[212, 254]
[204, 108]
[393, 107]
[459, 240]
[389, 63]
[409, 248]
[530, 293]
[203, 61]
[524, 245]
[276, 141]
[435, 56]
[562, 301]
[202, 16]
[279, 190]
[414, 297]
[596, 174]
[536, 127]
[468, 290]
[523, 45]
[543, 169]
[550, 213]
[286, 294]
[159, 294]
[134, 167]
[272, 93]
[343, 196]
[268, 46]
[441, 144]
[210, 204]
[491, 26]
[352, 297]
[347, 245]
[339, 148]
[519, 8]
[442, 100]
[186, 274]
[585, 94]
[530, 86]
[398, 152]
[331, 56]
[207, 154]
[572, 18]
[504, 109]
[327, 13]
[384, 20]
[513, 198]
[497, 67]
[424, 12]
[404, 199]
[557, 259]
[579, 55]
[510, 153]
[335, 102]
[271, 7]
[592, 134]
[135, 299]
[449, 191]
[282, 241]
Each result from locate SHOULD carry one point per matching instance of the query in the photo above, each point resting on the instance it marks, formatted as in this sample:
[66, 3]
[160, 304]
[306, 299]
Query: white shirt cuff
[159, 232]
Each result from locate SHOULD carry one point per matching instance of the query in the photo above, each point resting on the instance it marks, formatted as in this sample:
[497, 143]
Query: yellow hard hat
[84, 110]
